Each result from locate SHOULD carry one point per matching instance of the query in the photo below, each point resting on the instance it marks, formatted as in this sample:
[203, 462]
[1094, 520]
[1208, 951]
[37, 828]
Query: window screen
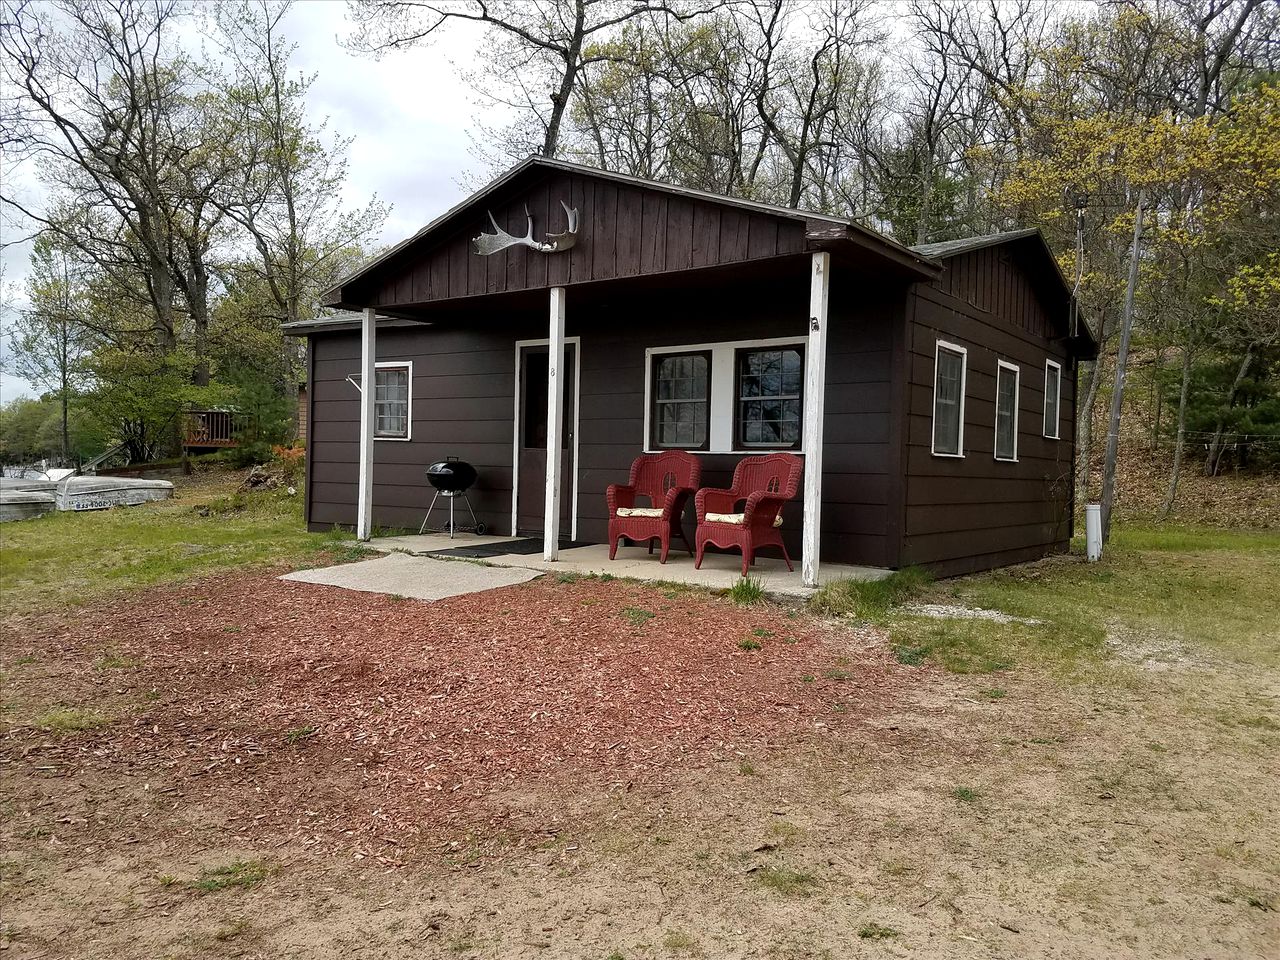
[1052, 398]
[770, 384]
[391, 402]
[948, 401]
[681, 392]
[1006, 413]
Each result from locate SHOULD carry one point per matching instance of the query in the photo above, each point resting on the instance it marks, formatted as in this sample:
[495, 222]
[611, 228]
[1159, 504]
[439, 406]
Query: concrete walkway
[719, 570]
[423, 578]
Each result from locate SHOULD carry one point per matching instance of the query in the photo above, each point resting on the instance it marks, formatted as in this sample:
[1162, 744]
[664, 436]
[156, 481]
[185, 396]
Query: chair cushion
[737, 519]
[639, 511]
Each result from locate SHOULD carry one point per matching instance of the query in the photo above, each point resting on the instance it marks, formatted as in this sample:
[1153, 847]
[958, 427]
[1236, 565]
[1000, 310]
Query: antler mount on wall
[488, 243]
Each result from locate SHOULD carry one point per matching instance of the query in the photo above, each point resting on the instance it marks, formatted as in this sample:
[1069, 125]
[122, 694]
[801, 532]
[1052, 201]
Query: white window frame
[1057, 402]
[723, 390]
[1017, 402]
[397, 365]
[938, 347]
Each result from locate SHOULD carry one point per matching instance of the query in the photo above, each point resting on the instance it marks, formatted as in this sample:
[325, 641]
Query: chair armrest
[619, 495]
[711, 500]
[762, 508]
[673, 503]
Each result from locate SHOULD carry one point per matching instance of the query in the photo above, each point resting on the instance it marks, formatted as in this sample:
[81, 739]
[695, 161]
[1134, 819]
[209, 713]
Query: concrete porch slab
[720, 571]
[422, 578]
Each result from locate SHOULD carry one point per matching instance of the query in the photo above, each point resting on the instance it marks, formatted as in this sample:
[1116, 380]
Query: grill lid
[451, 474]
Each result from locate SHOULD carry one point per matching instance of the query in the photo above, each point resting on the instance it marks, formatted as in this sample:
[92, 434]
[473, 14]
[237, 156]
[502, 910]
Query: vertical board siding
[624, 231]
[975, 513]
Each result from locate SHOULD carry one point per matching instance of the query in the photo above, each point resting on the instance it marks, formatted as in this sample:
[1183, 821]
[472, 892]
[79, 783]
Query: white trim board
[577, 423]
[1017, 402]
[938, 346]
[1057, 403]
[723, 377]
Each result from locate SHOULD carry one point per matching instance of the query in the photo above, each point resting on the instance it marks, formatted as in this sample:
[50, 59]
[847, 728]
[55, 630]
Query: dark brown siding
[463, 405]
[856, 460]
[976, 513]
[624, 231]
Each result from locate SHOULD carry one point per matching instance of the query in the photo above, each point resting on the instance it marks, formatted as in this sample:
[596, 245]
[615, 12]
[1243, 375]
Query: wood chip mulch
[322, 715]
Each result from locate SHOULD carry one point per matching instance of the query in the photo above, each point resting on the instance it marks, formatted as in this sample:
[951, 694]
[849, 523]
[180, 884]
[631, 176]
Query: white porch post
[555, 425]
[368, 366]
[815, 389]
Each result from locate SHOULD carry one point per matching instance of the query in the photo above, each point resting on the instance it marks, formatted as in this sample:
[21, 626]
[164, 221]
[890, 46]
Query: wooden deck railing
[212, 428]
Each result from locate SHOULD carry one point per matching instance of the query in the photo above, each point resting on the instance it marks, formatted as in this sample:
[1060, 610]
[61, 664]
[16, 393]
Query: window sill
[1005, 459]
[947, 456]
[395, 439]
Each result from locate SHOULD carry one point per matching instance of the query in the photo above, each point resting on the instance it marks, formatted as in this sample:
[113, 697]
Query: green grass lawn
[1198, 586]
[208, 528]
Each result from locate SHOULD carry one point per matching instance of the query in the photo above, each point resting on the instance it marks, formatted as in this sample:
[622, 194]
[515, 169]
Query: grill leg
[423, 529]
[452, 527]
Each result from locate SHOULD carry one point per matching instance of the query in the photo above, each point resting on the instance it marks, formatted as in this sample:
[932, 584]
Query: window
[732, 396]
[1052, 397]
[770, 385]
[391, 398]
[681, 391]
[948, 399]
[1007, 376]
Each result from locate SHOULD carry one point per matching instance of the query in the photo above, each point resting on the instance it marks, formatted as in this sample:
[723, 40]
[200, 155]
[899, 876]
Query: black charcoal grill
[452, 478]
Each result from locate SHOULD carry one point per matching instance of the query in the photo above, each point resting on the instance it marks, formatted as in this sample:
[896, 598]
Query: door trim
[515, 432]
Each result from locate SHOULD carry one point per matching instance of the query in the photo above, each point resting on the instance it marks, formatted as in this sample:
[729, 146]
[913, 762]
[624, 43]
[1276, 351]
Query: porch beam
[815, 389]
[555, 425]
[368, 368]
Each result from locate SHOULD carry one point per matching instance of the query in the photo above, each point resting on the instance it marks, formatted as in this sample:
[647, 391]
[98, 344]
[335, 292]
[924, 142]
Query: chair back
[775, 473]
[653, 474]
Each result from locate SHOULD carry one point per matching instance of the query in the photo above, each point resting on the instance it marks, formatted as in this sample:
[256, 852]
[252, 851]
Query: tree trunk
[1084, 426]
[1176, 475]
[1216, 446]
[1122, 360]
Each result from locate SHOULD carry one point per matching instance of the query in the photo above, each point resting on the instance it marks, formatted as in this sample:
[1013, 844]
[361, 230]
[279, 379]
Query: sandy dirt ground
[210, 788]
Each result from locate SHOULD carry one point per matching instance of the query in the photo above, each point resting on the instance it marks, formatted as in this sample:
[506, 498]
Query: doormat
[526, 547]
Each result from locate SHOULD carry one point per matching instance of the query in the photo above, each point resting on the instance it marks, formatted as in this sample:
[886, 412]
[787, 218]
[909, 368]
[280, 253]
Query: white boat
[102, 493]
[25, 504]
[84, 493]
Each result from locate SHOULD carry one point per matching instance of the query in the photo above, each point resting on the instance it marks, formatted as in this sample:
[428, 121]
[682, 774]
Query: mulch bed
[363, 721]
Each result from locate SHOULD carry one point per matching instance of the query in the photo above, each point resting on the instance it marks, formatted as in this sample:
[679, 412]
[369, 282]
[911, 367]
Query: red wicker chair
[764, 484]
[667, 479]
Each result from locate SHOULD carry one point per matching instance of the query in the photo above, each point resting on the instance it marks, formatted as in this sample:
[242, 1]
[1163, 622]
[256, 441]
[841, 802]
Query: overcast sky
[410, 114]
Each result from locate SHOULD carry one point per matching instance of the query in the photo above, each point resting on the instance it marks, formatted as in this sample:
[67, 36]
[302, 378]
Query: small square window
[391, 402]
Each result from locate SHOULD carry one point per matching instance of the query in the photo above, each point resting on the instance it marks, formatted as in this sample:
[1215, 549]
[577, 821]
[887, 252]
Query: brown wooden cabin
[674, 298]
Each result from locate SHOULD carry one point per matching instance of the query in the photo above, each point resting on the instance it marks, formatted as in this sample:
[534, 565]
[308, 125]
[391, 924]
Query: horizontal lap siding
[856, 460]
[463, 396]
[624, 231]
[463, 390]
[976, 513]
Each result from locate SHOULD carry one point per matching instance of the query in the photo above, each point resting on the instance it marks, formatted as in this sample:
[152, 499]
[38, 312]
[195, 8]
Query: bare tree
[538, 49]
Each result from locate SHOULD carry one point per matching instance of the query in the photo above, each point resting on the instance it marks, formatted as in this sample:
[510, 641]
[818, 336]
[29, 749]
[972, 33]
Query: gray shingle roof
[951, 248]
